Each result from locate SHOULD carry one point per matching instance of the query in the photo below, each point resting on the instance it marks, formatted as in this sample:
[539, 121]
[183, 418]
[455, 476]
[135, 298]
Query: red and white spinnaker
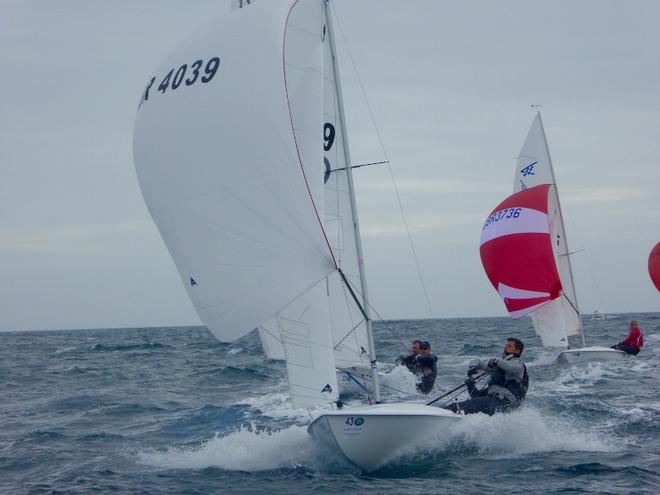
[654, 266]
[517, 254]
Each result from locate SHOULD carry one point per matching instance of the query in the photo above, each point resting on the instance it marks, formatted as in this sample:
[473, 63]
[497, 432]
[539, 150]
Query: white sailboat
[559, 319]
[241, 151]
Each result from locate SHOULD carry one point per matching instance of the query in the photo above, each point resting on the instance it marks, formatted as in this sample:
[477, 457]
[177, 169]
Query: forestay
[534, 167]
[227, 148]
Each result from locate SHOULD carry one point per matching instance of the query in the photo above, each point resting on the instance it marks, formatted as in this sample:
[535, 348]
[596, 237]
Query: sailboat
[241, 151]
[525, 254]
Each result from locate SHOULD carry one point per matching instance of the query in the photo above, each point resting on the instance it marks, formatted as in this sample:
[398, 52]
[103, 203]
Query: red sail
[516, 251]
[654, 266]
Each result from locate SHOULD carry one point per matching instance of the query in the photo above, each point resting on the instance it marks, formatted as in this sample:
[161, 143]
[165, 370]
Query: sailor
[634, 341]
[506, 388]
[409, 361]
[426, 368]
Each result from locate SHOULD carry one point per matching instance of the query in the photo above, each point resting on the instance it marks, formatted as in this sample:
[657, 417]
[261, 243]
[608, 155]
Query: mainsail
[227, 147]
[518, 255]
[348, 325]
[534, 167]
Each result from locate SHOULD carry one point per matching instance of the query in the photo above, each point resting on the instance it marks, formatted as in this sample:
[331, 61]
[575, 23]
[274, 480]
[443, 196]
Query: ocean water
[172, 410]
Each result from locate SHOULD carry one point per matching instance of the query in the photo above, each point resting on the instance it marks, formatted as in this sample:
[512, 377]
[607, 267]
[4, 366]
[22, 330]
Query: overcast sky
[451, 85]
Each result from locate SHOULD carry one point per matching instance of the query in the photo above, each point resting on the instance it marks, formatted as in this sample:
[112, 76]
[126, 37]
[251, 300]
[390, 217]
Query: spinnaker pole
[351, 190]
[574, 304]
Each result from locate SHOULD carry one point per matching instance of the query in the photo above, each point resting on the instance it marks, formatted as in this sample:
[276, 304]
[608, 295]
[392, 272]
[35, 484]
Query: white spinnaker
[559, 318]
[347, 322]
[221, 173]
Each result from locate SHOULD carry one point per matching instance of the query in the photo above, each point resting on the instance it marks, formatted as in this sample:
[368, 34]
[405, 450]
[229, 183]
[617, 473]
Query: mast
[351, 190]
[568, 257]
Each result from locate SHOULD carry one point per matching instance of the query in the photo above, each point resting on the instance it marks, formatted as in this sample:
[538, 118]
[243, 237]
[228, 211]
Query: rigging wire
[389, 166]
[380, 318]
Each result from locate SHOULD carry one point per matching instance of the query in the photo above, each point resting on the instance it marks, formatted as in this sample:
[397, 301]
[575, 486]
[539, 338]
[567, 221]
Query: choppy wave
[175, 411]
[145, 346]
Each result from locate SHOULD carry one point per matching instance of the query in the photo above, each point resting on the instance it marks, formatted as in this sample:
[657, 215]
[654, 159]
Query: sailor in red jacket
[634, 342]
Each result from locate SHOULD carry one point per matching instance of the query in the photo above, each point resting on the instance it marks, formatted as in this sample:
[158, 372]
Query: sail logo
[327, 389]
[528, 170]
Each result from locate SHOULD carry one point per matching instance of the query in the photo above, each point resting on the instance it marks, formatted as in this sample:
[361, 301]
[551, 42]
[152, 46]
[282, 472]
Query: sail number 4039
[199, 70]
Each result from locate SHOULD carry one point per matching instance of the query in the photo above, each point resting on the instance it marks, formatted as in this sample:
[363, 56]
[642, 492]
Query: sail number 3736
[199, 71]
[505, 213]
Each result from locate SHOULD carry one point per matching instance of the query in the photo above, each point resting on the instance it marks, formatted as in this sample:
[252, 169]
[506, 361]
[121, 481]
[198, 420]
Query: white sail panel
[347, 322]
[239, 4]
[533, 168]
[568, 301]
[220, 169]
[306, 343]
[548, 323]
[304, 327]
[271, 341]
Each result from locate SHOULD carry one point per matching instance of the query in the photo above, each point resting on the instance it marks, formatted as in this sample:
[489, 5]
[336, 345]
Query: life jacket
[517, 388]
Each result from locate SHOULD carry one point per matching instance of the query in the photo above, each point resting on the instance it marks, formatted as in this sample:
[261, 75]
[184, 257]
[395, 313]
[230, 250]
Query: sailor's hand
[472, 370]
[492, 362]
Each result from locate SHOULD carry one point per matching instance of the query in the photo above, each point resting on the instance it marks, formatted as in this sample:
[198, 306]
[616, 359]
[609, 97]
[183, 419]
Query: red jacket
[635, 338]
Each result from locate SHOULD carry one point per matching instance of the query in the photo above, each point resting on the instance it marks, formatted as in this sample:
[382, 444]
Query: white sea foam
[512, 435]
[248, 450]
[63, 350]
[526, 431]
[241, 450]
[504, 436]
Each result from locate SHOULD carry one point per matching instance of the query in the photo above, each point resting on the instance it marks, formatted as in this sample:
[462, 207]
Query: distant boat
[241, 151]
[654, 266]
[525, 254]
[598, 315]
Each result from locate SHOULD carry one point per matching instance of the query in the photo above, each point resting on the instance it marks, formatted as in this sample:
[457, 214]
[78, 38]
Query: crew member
[426, 368]
[410, 361]
[506, 388]
[634, 341]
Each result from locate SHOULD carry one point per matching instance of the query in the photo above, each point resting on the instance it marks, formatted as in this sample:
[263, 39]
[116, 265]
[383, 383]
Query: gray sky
[450, 84]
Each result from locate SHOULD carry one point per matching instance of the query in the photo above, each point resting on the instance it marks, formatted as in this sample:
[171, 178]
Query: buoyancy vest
[517, 388]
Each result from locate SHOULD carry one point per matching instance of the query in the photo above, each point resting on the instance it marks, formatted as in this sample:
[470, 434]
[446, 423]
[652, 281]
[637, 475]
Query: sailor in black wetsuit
[426, 368]
[507, 387]
[410, 361]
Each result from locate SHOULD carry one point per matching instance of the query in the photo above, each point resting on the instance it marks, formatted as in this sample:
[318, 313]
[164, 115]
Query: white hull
[590, 355]
[369, 437]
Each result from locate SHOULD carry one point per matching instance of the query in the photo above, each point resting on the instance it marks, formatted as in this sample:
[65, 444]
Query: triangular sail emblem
[327, 389]
[193, 283]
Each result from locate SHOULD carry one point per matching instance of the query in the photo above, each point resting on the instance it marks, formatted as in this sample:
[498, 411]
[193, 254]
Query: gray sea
[172, 410]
